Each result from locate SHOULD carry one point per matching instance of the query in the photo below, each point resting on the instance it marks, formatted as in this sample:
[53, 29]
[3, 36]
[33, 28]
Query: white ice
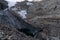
[14, 0]
[29, 3]
[22, 13]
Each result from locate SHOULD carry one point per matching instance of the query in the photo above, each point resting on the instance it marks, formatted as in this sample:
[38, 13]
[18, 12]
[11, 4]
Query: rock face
[13, 27]
[42, 21]
[46, 14]
[3, 4]
[8, 32]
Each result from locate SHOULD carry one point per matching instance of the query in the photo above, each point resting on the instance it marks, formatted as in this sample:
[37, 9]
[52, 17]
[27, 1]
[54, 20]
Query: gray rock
[3, 5]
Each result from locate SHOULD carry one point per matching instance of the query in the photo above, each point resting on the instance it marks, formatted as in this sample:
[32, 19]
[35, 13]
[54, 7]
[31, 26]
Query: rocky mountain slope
[31, 21]
[45, 14]
[13, 27]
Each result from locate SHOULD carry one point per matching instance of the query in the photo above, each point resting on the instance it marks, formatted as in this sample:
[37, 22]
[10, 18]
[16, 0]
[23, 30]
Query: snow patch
[14, 9]
[22, 13]
[30, 0]
[10, 4]
[14, 0]
[29, 3]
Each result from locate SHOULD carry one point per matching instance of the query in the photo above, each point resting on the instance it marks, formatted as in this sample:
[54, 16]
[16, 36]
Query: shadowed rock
[3, 4]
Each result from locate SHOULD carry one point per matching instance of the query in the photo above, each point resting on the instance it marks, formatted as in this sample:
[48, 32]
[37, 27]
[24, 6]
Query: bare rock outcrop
[46, 13]
[13, 27]
[3, 4]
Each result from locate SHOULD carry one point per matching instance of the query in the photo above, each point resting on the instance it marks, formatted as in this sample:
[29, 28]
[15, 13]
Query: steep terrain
[30, 21]
[45, 14]
[13, 27]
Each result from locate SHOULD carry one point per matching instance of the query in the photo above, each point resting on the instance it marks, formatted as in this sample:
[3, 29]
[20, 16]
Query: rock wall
[46, 14]
[3, 4]
[12, 25]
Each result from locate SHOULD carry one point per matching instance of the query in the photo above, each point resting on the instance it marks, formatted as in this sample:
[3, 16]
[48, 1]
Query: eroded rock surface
[12, 25]
[44, 14]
